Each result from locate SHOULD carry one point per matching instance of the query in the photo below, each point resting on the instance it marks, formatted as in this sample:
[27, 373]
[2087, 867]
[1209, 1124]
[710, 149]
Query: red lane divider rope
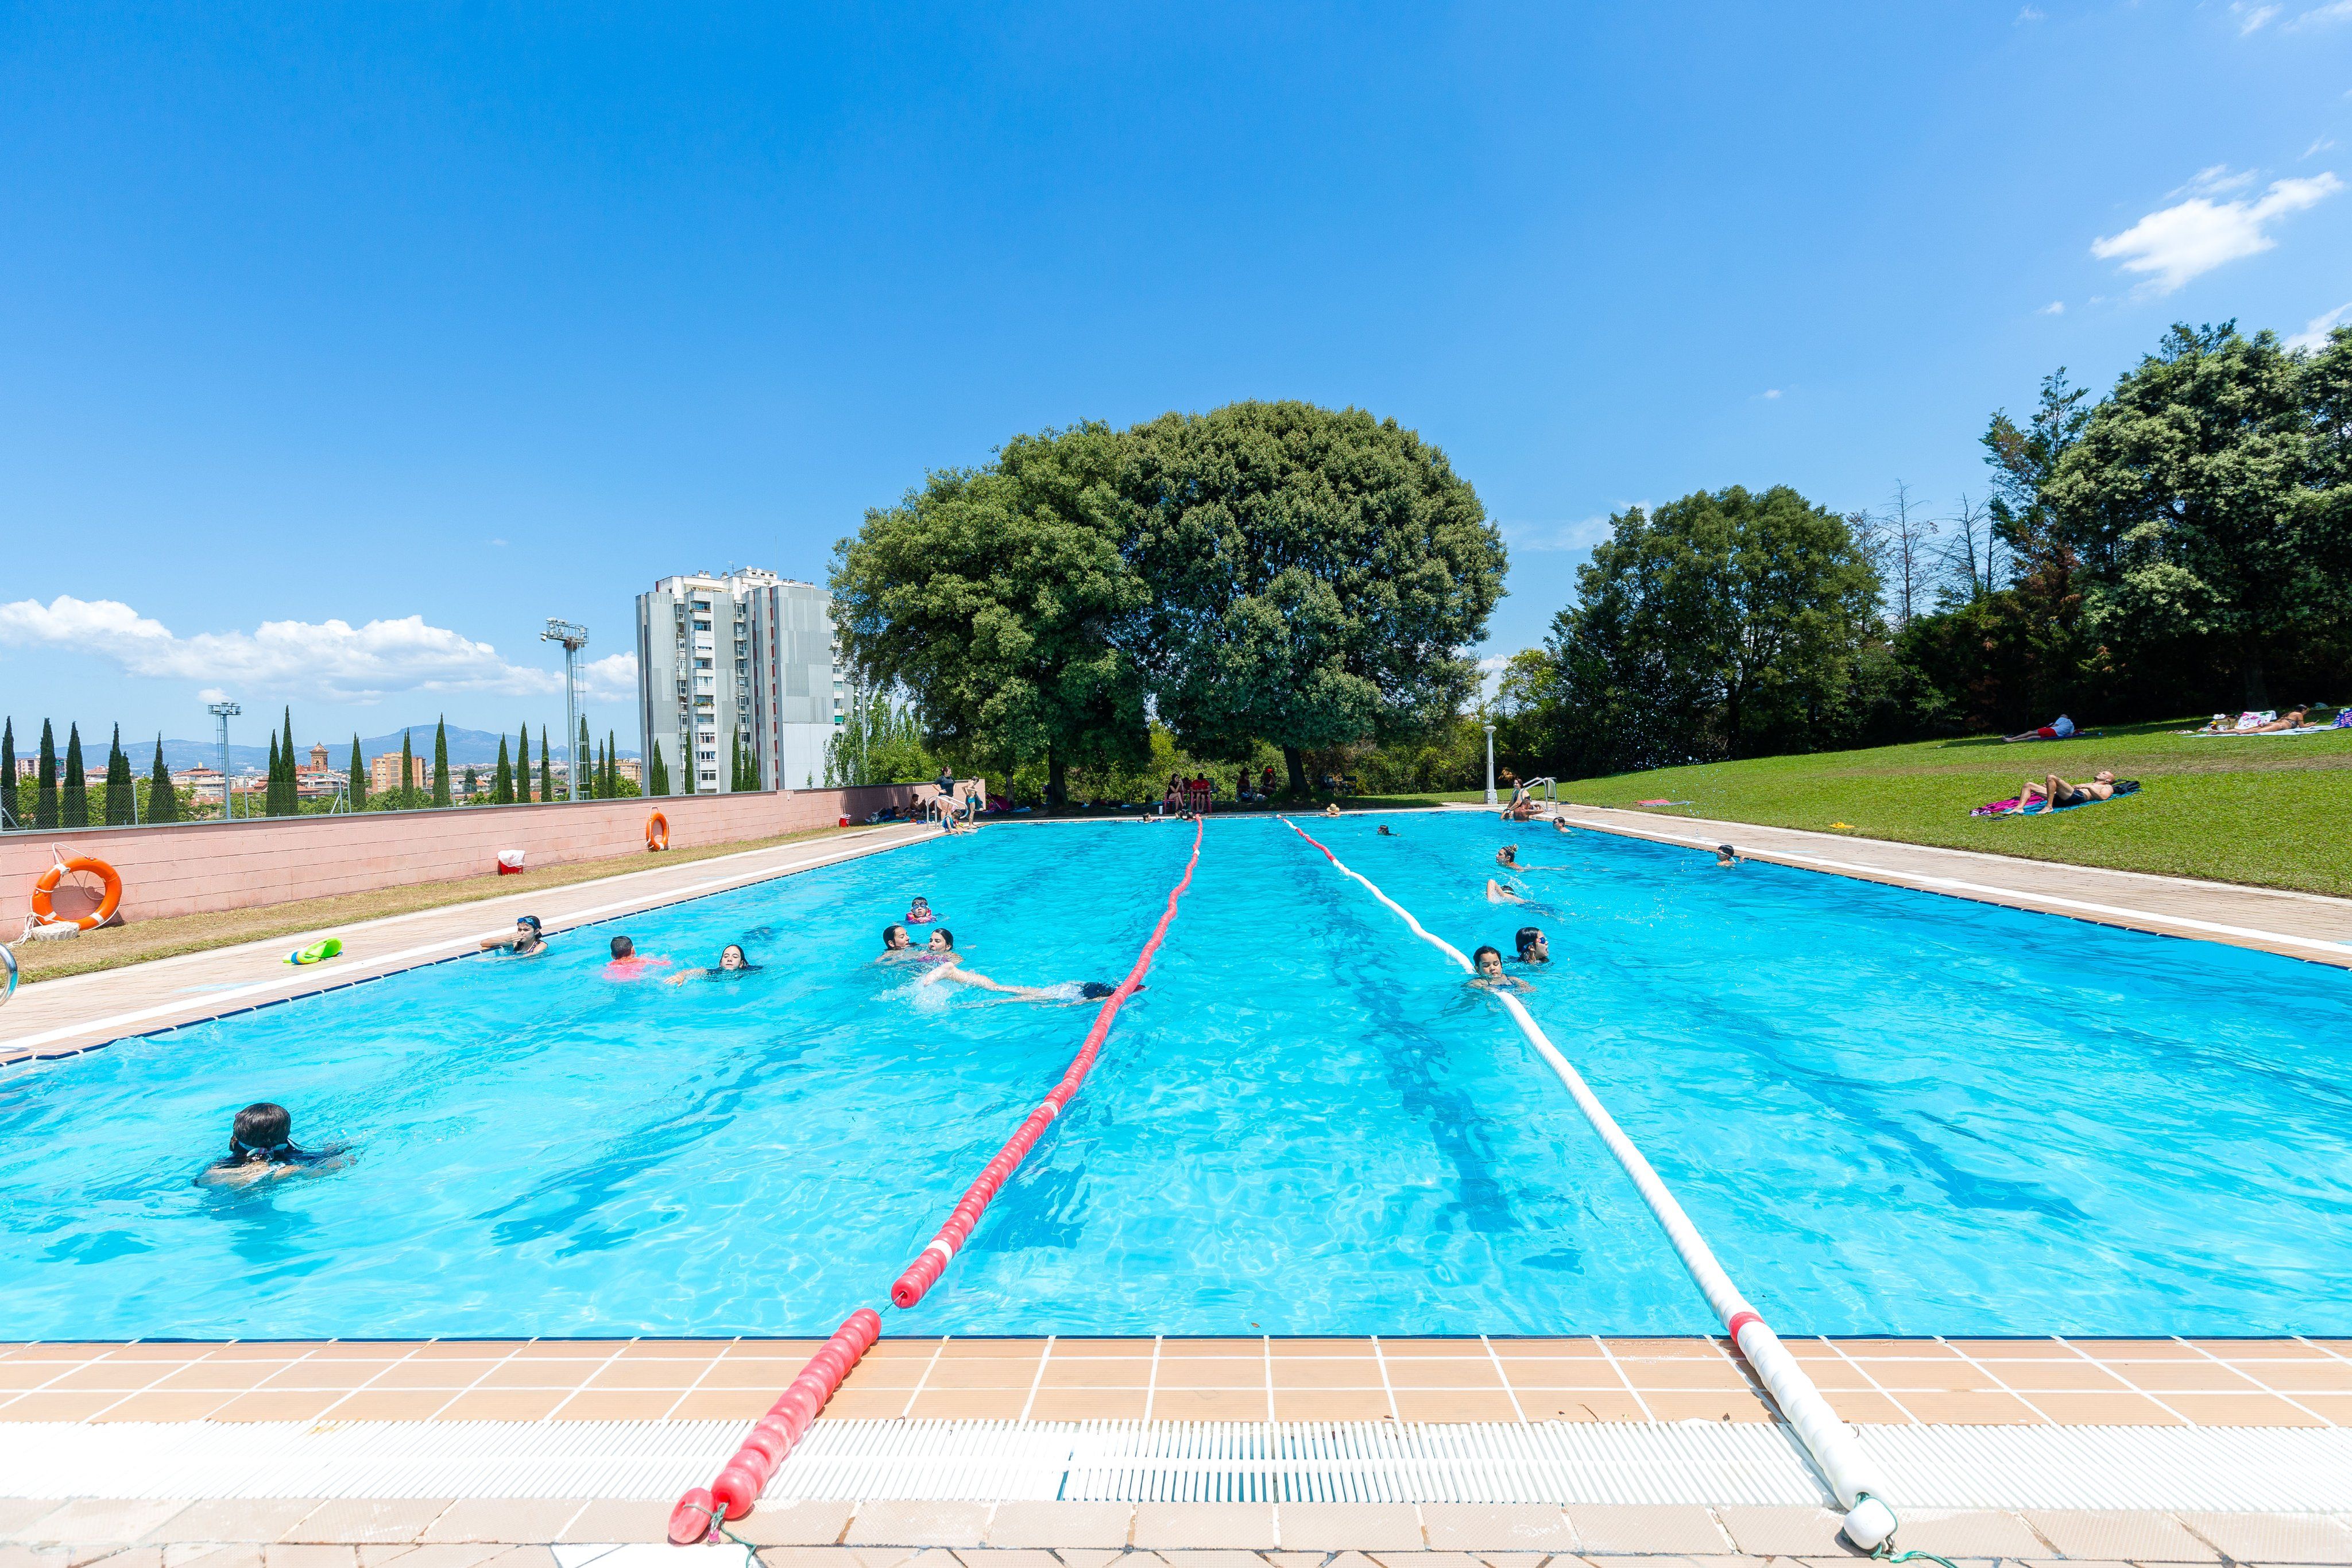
[696, 1515]
[925, 1271]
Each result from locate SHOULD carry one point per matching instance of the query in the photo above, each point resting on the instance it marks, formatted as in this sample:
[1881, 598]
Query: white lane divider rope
[1870, 1522]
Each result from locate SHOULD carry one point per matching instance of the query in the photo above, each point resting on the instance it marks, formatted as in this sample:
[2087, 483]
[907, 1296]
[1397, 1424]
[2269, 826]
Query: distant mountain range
[468, 749]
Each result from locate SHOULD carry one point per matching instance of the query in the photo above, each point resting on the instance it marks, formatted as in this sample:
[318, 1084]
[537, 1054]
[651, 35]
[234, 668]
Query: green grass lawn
[2274, 813]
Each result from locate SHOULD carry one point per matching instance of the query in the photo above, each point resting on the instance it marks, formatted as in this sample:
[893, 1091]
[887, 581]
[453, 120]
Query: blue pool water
[1889, 1111]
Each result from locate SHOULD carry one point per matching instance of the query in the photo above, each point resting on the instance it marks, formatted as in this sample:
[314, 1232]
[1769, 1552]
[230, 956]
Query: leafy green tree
[998, 598]
[162, 798]
[44, 798]
[358, 776]
[1315, 577]
[9, 775]
[881, 742]
[2185, 498]
[121, 809]
[502, 778]
[77, 796]
[1725, 626]
[657, 775]
[441, 762]
[546, 768]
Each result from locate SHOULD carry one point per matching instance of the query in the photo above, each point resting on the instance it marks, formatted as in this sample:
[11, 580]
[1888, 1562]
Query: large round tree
[1317, 576]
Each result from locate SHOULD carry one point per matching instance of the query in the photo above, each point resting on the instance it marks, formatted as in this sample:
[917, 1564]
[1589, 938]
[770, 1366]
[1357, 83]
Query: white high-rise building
[747, 657]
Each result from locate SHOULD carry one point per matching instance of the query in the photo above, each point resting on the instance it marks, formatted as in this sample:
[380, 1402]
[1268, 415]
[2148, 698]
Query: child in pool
[262, 1148]
[919, 912]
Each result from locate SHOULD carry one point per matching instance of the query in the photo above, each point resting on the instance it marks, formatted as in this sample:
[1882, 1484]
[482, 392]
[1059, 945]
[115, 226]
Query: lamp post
[573, 639]
[224, 712]
[1490, 762]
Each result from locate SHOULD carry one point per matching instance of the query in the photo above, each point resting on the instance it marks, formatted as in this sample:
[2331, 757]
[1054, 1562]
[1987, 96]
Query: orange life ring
[109, 900]
[657, 832]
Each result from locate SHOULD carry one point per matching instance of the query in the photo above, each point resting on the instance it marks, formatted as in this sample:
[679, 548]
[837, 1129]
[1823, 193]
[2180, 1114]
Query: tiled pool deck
[2288, 1382]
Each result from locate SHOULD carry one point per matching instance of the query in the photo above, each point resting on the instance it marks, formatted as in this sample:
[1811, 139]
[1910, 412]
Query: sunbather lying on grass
[2054, 791]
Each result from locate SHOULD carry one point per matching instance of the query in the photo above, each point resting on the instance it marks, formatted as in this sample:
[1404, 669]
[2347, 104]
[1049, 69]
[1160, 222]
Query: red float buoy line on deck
[696, 1515]
[1870, 1521]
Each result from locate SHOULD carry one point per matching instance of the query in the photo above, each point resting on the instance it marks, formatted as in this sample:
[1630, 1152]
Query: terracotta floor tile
[387, 1403]
[727, 1404]
[1208, 1405]
[1233, 1526]
[624, 1521]
[368, 1520]
[1087, 1404]
[866, 1405]
[1692, 1347]
[1129, 1349]
[673, 1376]
[977, 1403]
[1213, 1372]
[2240, 1410]
[175, 1350]
[674, 1349]
[1454, 1404]
[890, 1523]
[2303, 1376]
[192, 1406]
[993, 1372]
[2135, 1350]
[1309, 1349]
[1126, 1373]
[1330, 1372]
[2335, 1407]
[1443, 1371]
[2014, 1349]
[93, 1521]
[235, 1520]
[569, 1349]
[285, 1405]
[1911, 1349]
[1346, 1526]
[2259, 1350]
[1179, 1349]
[471, 1349]
[123, 1377]
[1646, 1528]
[1830, 1377]
[1961, 1408]
[1689, 1405]
[1579, 1405]
[797, 1524]
[2104, 1410]
[435, 1372]
[537, 1372]
[2056, 1376]
[501, 1405]
[46, 1407]
[1903, 1378]
[63, 1350]
[883, 1350]
[1453, 1348]
[249, 1350]
[517, 1520]
[1770, 1532]
[727, 1373]
[2135, 1536]
[1102, 1525]
[1495, 1527]
[357, 1350]
[1018, 1347]
[2180, 1377]
[1711, 1375]
[341, 1376]
[616, 1405]
[1582, 1347]
[16, 1376]
[1330, 1405]
[2274, 1537]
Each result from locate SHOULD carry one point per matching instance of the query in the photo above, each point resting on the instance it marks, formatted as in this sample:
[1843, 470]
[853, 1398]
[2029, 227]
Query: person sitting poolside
[2055, 792]
[626, 964]
[526, 942]
[261, 1147]
[1534, 949]
[919, 912]
[1490, 977]
[730, 962]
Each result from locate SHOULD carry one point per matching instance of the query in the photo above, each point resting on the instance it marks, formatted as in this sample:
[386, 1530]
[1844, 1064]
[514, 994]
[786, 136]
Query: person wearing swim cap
[1725, 855]
[526, 942]
[918, 913]
[262, 1148]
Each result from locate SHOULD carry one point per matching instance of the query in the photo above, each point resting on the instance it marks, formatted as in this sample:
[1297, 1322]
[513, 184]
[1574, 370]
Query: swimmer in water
[1384, 831]
[918, 913]
[950, 969]
[1725, 855]
[626, 964]
[730, 962]
[526, 942]
[1533, 947]
[1333, 809]
[1490, 976]
[1507, 855]
[262, 1148]
[1560, 825]
[1498, 894]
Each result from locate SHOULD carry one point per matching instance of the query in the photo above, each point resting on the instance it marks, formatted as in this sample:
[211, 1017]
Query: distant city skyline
[340, 353]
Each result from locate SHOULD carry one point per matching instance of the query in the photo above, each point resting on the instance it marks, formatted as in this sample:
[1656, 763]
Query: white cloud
[1771, 392]
[2028, 14]
[2212, 180]
[2193, 237]
[2316, 148]
[2056, 308]
[2315, 332]
[2251, 17]
[329, 660]
[2320, 15]
[1582, 533]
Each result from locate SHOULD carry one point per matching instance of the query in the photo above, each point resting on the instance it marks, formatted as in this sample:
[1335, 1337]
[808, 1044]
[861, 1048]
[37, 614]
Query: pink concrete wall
[192, 868]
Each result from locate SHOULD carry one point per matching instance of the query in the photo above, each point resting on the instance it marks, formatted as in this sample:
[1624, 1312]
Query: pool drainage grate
[2225, 1470]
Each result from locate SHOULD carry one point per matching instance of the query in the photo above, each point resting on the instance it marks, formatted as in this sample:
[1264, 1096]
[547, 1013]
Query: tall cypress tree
[162, 799]
[290, 790]
[612, 766]
[357, 785]
[9, 775]
[76, 801]
[441, 763]
[522, 765]
[656, 774]
[269, 788]
[546, 768]
[502, 778]
[44, 796]
[404, 800]
[121, 809]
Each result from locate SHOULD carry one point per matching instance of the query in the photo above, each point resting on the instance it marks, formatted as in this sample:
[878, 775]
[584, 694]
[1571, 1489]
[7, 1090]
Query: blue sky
[476, 315]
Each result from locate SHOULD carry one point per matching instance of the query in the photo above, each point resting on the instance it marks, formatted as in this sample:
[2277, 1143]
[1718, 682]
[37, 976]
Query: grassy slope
[2274, 813]
[113, 947]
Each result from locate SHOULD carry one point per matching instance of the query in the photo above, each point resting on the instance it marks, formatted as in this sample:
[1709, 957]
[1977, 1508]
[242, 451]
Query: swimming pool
[1889, 1111]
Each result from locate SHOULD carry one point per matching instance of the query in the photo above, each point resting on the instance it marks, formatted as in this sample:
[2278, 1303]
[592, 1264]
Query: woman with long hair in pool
[951, 969]
[1490, 977]
[731, 964]
[262, 1148]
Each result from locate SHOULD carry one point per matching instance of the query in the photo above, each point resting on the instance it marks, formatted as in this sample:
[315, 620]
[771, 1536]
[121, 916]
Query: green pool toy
[316, 952]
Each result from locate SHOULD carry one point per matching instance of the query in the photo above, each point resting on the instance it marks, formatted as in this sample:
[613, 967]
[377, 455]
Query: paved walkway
[2296, 925]
[62, 1017]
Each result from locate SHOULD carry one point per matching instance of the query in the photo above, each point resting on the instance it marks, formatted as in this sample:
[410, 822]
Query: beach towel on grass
[2009, 808]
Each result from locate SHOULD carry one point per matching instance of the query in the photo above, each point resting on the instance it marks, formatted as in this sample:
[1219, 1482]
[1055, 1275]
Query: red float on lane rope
[744, 1477]
[925, 1271]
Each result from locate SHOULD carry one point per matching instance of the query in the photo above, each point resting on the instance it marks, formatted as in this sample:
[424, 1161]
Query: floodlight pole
[224, 712]
[1490, 762]
[573, 638]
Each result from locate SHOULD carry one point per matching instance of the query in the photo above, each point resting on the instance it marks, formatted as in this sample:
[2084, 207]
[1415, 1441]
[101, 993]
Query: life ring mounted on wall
[110, 892]
[656, 833]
